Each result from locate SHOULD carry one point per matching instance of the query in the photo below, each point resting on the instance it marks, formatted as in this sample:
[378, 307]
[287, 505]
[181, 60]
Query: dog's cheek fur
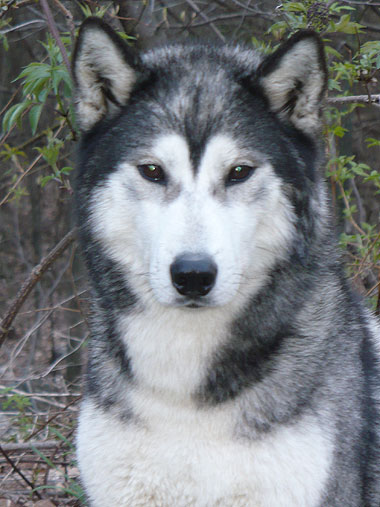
[143, 227]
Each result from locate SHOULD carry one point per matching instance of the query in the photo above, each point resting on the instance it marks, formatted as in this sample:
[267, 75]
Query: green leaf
[46, 179]
[333, 85]
[50, 152]
[13, 115]
[345, 25]
[35, 70]
[62, 437]
[42, 456]
[34, 117]
[43, 94]
[5, 42]
[359, 170]
[374, 176]
[372, 142]
[331, 51]
[35, 87]
[67, 90]
[296, 7]
[57, 75]
[339, 131]
[66, 170]
[9, 152]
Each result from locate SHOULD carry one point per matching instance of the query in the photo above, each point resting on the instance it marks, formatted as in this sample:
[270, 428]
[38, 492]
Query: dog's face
[199, 237]
[191, 179]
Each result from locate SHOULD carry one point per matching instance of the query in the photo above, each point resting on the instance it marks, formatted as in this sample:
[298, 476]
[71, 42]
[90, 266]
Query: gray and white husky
[230, 362]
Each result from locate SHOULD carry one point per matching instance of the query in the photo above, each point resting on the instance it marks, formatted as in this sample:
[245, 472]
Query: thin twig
[18, 471]
[28, 170]
[369, 251]
[68, 16]
[196, 9]
[21, 343]
[22, 25]
[10, 101]
[372, 289]
[353, 2]
[360, 99]
[347, 205]
[54, 31]
[36, 137]
[54, 416]
[27, 446]
[31, 281]
[222, 18]
[62, 358]
[5, 11]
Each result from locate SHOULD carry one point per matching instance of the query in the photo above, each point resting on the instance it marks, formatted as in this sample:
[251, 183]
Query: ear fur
[294, 80]
[104, 72]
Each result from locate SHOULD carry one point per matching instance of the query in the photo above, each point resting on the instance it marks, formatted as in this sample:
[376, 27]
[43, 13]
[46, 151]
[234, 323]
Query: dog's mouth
[193, 304]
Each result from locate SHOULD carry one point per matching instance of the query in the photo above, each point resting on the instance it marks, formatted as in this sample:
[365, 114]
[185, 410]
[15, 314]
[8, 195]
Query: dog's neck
[170, 349]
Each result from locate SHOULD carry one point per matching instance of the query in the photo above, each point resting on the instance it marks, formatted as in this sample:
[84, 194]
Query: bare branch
[28, 170]
[54, 31]
[18, 471]
[5, 10]
[31, 281]
[354, 2]
[360, 99]
[50, 419]
[69, 17]
[27, 446]
[203, 16]
[22, 25]
[222, 18]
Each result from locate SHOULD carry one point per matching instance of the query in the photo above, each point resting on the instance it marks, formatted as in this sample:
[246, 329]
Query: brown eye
[152, 172]
[239, 174]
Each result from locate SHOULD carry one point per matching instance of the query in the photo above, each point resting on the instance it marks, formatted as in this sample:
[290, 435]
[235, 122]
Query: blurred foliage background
[43, 288]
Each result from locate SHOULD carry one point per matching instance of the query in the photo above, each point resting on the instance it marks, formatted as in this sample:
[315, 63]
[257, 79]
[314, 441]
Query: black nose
[193, 274]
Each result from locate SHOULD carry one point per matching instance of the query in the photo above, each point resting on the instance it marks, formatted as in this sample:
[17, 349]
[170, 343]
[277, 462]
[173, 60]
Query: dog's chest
[172, 453]
[191, 458]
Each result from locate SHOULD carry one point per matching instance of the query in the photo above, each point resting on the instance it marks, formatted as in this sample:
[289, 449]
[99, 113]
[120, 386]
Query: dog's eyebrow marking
[172, 151]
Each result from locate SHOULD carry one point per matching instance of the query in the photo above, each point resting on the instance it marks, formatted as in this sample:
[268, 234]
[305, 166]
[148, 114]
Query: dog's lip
[193, 304]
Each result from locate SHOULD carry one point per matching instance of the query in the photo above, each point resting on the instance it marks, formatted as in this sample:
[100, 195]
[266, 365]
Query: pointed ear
[104, 71]
[294, 80]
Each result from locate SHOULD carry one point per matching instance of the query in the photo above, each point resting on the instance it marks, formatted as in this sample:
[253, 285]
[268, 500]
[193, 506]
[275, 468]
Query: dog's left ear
[105, 71]
[294, 80]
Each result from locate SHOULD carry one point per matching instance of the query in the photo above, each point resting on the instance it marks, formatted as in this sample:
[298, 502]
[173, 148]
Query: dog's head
[198, 162]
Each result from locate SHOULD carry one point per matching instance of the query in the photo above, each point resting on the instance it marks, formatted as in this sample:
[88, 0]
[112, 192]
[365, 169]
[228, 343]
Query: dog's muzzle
[193, 275]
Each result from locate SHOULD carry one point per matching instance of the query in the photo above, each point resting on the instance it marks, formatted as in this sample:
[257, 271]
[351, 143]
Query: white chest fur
[173, 454]
[191, 458]
[170, 349]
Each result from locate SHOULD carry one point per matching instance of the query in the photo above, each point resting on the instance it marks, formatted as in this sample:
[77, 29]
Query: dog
[230, 362]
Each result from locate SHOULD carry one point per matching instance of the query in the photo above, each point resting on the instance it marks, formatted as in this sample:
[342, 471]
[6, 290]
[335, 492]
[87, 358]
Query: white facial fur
[245, 228]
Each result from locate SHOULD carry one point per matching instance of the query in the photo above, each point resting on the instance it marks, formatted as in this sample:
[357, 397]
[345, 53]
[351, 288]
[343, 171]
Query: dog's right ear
[104, 71]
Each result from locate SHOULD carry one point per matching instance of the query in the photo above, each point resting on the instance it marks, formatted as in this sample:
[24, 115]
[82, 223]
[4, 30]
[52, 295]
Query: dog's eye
[152, 172]
[239, 174]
